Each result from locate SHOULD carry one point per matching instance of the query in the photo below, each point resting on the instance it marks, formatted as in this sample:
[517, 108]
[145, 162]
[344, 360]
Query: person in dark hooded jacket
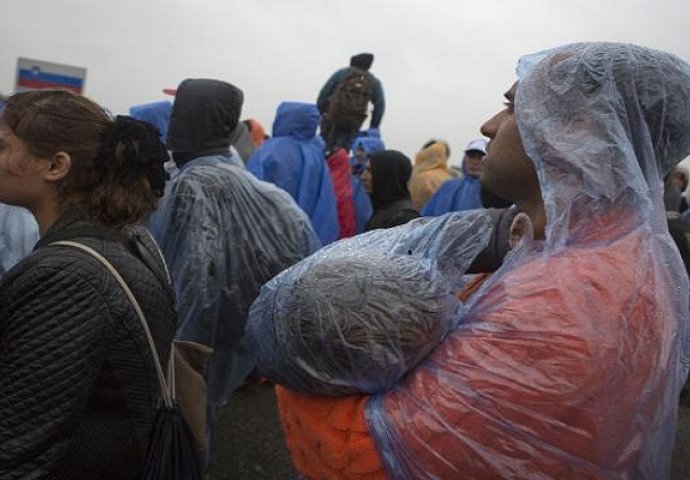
[386, 178]
[223, 232]
[293, 160]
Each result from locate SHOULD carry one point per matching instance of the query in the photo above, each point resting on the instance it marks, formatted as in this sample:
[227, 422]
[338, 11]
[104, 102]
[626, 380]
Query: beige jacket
[429, 172]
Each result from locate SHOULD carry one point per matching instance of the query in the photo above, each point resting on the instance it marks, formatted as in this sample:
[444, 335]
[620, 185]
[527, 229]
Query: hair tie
[134, 147]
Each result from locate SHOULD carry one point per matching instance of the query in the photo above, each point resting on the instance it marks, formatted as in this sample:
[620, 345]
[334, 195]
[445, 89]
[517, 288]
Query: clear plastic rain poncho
[18, 235]
[569, 361]
[224, 234]
[357, 316]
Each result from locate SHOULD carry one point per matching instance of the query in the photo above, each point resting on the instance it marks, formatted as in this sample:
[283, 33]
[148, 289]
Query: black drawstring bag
[173, 452]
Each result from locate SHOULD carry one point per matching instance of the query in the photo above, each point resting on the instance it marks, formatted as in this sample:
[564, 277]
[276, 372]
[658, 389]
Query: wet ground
[252, 447]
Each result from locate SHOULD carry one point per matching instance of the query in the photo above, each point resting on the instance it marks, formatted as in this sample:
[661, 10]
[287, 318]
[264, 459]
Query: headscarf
[390, 172]
[369, 143]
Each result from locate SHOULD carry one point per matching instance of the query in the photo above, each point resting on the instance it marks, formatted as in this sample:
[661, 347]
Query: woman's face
[368, 179]
[20, 170]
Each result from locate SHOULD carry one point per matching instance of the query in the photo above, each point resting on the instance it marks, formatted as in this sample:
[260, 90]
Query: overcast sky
[444, 64]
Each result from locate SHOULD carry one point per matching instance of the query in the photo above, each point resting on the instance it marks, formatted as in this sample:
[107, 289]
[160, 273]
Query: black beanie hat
[362, 60]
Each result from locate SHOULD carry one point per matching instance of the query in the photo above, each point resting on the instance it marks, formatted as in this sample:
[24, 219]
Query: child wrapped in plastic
[356, 317]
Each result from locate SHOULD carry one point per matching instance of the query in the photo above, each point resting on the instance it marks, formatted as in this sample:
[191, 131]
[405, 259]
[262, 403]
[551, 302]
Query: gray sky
[444, 64]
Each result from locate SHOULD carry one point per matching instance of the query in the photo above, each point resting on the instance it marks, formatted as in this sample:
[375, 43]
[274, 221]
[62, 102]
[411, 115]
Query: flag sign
[35, 75]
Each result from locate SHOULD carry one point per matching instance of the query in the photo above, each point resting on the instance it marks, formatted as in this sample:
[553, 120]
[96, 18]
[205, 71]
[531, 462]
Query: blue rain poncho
[369, 142]
[455, 195]
[18, 235]
[359, 315]
[224, 234]
[155, 113]
[294, 160]
[569, 362]
[363, 208]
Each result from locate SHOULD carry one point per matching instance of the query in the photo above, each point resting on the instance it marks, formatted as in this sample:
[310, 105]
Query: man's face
[474, 163]
[508, 171]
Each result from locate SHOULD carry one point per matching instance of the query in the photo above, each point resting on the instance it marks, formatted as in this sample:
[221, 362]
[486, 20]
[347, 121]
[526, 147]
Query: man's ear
[58, 168]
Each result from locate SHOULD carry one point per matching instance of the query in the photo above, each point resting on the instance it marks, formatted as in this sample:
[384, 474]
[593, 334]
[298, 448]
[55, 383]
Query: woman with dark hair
[78, 389]
[385, 179]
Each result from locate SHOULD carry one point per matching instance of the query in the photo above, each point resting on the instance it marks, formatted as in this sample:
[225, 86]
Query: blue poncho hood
[295, 119]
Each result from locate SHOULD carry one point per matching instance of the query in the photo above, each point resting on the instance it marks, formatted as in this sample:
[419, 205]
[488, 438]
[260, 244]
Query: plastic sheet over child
[358, 315]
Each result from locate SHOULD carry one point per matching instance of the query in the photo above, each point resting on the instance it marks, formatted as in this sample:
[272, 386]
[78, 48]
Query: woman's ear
[58, 168]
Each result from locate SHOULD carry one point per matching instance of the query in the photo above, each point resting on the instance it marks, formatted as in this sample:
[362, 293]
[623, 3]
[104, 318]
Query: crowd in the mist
[522, 316]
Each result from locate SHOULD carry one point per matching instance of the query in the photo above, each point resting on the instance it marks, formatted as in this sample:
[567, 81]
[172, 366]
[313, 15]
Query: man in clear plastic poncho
[223, 232]
[568, 361]
[18, 235]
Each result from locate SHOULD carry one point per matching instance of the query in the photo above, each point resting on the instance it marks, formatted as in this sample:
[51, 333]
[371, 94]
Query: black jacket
[78, 390]
[397, 212]
[390, 196]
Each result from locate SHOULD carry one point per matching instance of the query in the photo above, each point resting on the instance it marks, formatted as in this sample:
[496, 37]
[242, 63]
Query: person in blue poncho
[223, 232]
[294, 160]
[155, 113]
[460, 193]
[363, 147]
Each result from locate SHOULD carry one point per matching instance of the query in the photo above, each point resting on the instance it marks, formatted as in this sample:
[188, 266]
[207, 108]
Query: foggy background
[444, 64]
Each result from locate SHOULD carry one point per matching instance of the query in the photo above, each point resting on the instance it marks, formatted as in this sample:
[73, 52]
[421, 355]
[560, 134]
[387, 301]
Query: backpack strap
[166, 392]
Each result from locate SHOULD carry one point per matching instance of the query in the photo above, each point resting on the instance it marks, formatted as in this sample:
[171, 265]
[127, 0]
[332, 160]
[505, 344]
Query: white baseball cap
[478, 145]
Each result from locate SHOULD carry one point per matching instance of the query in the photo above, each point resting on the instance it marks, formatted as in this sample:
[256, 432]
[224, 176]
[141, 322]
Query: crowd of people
[523, 316]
